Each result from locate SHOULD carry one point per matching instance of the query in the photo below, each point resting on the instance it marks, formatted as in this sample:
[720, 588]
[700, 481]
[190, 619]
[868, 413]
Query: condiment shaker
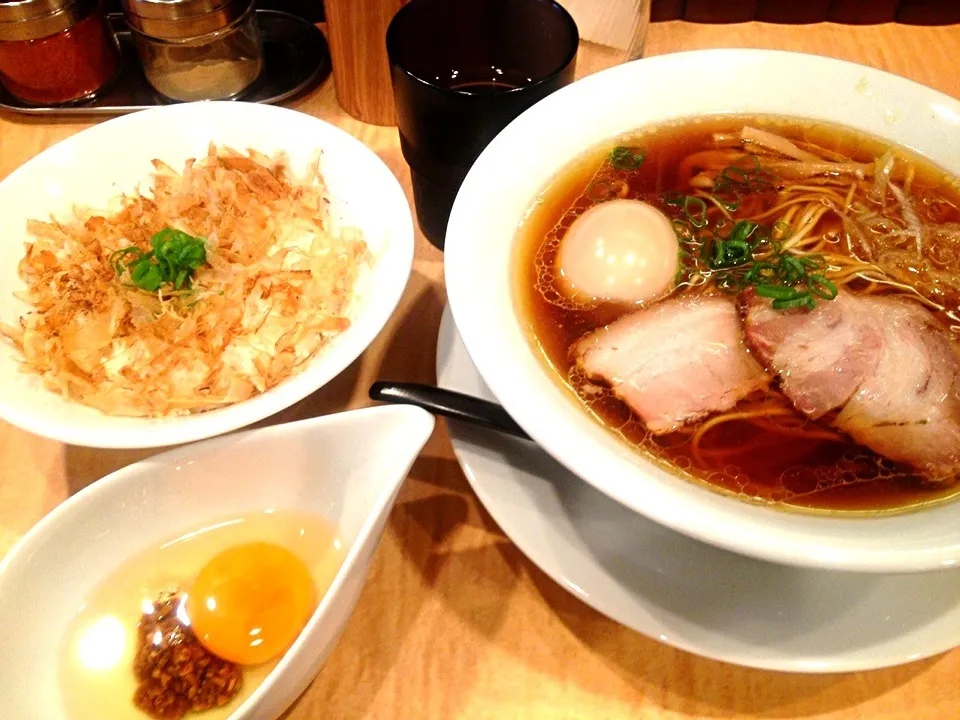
[55, 51]
[197, 49]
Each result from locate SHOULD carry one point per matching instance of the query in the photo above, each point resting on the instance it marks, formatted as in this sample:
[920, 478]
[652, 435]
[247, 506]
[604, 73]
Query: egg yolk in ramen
[249, 603]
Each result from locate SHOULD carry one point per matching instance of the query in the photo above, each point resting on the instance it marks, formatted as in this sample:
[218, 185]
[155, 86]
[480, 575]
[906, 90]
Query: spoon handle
[449, 404]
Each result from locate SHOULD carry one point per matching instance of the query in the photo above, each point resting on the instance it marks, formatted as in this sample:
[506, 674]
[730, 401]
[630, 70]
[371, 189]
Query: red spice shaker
[55, 51]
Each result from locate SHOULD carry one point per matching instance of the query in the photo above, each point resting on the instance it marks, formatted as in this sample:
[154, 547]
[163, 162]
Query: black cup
[462, 70]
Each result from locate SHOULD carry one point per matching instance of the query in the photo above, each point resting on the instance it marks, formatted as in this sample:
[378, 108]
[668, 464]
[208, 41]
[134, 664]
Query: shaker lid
[182, 18]
[32, 19]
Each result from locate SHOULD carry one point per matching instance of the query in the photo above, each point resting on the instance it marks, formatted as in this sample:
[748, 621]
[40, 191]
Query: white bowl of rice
[181, 272]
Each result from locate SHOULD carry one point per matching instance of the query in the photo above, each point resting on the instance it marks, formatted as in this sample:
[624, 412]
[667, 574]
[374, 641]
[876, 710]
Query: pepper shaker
[197, 49]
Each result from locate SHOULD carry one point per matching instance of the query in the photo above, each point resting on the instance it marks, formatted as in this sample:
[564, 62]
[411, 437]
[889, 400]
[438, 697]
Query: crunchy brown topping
[277, 285]
[176, 673]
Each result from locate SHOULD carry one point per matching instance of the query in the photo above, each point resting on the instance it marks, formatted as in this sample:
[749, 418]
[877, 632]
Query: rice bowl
[114, 158]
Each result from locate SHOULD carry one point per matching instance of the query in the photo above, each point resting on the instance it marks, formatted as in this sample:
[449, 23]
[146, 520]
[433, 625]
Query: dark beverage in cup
[461, 71]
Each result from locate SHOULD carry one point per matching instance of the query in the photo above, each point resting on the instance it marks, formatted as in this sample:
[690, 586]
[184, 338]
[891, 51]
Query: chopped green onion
[776, 292]
[146, 276]
[683, 267]
[761, 270]
[729, 253]
[737, 247]
[735, 175]
[693, 209]
[718, 255]
[698, 215]
[743, 230]
[821, 287]
[175, 257]
[739, 253]
[623, 158]
[116, 258]
[801, 300]
[792, 270]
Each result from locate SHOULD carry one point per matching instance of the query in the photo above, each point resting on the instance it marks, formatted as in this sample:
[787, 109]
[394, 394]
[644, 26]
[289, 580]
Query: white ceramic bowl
[112, 157]
[347, 468]
[515, 167]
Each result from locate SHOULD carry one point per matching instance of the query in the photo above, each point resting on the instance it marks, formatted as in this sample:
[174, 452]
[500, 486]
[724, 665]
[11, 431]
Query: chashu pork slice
[909, 409]
[822, 355]
[675, 362]
[885, 364]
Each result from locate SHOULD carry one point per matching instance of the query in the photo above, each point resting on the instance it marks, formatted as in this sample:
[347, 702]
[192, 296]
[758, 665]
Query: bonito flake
[276, 288]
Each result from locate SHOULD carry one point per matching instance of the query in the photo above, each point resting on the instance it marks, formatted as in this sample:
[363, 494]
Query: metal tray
[295, 57]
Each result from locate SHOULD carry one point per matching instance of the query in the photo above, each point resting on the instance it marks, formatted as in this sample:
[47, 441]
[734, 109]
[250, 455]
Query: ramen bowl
[345, 468]
[96, 165]
[481, 278]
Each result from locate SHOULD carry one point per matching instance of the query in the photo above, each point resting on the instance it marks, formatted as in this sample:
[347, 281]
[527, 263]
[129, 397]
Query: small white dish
[97, 164]
[346, 468]
[685, 593]
[514, 169]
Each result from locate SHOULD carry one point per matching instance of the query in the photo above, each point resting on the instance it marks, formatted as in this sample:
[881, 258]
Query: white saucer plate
[687, 594]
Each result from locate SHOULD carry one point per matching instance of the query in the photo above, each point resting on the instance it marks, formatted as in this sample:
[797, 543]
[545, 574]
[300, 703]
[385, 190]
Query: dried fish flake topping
[276, 289]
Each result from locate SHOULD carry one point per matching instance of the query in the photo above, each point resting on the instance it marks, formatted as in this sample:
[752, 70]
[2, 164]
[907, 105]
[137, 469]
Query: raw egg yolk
[621, 250]
[249, 603]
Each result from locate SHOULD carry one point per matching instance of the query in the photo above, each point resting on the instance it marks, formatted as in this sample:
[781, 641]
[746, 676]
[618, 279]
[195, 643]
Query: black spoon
[449, 404]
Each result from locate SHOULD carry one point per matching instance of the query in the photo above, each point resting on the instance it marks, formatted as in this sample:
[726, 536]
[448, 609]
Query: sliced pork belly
[884, 363]
[821, 355]
[909, 409]
[675, 362]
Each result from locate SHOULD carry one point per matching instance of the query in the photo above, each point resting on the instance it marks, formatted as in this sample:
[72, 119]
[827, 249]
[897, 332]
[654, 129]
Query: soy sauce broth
[800, 471]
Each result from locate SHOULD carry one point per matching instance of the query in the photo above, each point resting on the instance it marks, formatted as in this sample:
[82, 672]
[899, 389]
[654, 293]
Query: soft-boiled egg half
[619, 251]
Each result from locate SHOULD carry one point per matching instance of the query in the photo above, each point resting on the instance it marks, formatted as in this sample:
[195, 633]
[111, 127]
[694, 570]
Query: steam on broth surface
[791, 223]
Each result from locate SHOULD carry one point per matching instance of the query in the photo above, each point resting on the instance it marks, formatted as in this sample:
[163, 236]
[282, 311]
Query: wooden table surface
[454, 622]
